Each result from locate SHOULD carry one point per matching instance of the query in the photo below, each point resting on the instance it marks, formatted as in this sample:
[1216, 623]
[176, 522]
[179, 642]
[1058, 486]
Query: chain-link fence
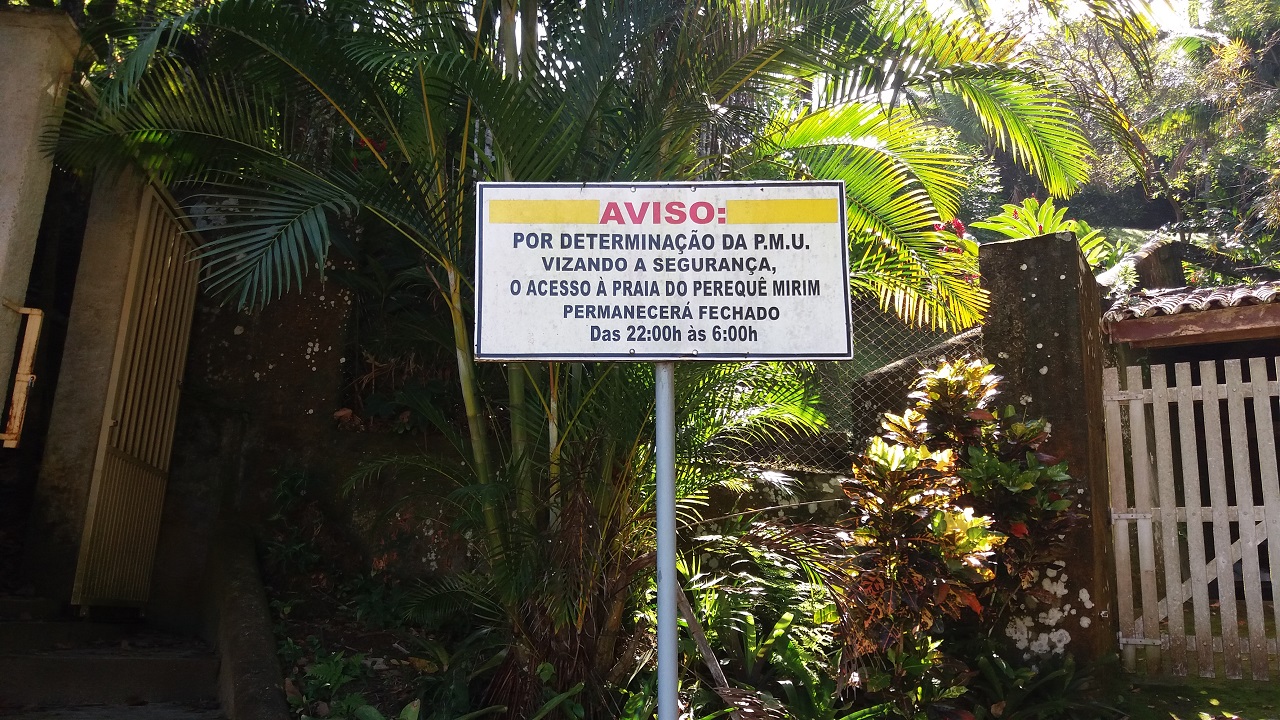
[887, 357]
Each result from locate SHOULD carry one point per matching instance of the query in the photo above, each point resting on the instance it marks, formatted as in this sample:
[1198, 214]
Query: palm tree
[383, 113]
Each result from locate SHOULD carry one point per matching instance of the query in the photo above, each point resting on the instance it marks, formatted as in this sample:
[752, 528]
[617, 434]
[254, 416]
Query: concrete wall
[36, 51]
[75, 425]
[1044, 335]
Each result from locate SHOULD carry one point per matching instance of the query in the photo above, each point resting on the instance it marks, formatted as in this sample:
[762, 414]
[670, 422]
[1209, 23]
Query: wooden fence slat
[1176, 660]
[1216, 644]
[1211, 568]
[1119, 528]
[1243, 478]
[1141, 449]
[1251, 389]
[1233, 514]
[1270, 477]
[1195, 518]
[1140, 456]
[1221, 525]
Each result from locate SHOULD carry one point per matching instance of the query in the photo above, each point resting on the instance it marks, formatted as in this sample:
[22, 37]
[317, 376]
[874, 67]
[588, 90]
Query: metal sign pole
[661, 272]
[665, 503]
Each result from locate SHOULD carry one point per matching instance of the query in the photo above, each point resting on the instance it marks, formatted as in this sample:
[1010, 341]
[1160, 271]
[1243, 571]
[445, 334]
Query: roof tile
[1171, 301]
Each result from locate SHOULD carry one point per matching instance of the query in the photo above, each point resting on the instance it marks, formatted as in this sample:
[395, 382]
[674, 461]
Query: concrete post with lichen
[1044, 335]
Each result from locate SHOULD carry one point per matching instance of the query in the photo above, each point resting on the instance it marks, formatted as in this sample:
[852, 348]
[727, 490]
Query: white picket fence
[1195, 494]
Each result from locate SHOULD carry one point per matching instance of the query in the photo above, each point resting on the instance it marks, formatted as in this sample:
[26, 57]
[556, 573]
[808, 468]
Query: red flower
[1015, 214]
[1018, 529]
[937, 227]
[958, 226]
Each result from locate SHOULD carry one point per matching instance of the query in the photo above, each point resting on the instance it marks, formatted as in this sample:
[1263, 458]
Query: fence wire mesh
[887, 356]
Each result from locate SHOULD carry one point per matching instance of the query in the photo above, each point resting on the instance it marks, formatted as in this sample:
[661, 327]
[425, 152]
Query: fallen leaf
[424, 665]
[291, 690]
[998, 709]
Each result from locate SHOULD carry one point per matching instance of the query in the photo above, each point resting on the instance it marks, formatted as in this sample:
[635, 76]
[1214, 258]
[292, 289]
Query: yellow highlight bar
[566, 212]
[775, 212]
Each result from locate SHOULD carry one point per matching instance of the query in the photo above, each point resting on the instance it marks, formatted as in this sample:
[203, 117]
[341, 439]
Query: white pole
[665, 502]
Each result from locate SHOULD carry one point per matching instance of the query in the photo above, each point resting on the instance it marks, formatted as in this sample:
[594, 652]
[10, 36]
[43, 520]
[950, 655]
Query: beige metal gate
[1194, 497]
[132, 465]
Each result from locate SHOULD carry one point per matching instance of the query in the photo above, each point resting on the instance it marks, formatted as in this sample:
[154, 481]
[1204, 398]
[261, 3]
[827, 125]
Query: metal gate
[1194, 497]
[131, 470]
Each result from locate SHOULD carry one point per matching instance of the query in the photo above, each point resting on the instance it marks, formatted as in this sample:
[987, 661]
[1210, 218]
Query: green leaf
[491, 710]
[556, 701]
[1031, 122]
[876, 711]
[826, 615]
[779, 631]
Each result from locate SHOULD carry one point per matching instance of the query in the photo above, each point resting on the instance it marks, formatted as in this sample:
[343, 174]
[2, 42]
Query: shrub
[956, 511]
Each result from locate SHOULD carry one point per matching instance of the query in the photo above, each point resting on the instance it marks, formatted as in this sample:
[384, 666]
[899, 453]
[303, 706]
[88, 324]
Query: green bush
[953, 513]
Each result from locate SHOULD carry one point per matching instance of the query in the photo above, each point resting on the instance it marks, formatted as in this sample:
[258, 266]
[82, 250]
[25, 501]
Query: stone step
[33, 636]
[157, 711]
[28, 608]
[110, 677]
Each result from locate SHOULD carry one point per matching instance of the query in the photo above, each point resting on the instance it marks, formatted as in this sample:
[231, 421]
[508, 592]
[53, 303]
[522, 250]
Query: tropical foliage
[1195, 129]
[572, 589]
[957, 514]
[300, 133]
[1032, 218]
[390, 111]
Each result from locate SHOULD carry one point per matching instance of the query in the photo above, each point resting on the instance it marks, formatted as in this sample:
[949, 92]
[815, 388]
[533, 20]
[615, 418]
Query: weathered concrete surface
[36, 51]
[250, 683]
[159, 711]
[36, 635]
[1044, 335]
[81, 678]
[28, 608]
[258, 397]
[1159, 268]
[75, 425]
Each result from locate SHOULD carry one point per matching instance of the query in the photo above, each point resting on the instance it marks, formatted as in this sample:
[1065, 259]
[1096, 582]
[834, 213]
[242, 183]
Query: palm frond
[276, 230]
[1036, 127]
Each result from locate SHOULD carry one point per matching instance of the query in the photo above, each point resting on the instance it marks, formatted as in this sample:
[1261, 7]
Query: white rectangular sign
[662, 271]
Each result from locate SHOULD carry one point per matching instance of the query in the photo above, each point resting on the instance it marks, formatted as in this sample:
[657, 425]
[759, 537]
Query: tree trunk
[529, 34]
[475, 416]
[507, 39]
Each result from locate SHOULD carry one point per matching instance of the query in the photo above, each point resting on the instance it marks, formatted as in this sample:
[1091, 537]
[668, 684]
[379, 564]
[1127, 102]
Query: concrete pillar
[80, 401]
[36, 51]
[1159, 268]
[1044, 335]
